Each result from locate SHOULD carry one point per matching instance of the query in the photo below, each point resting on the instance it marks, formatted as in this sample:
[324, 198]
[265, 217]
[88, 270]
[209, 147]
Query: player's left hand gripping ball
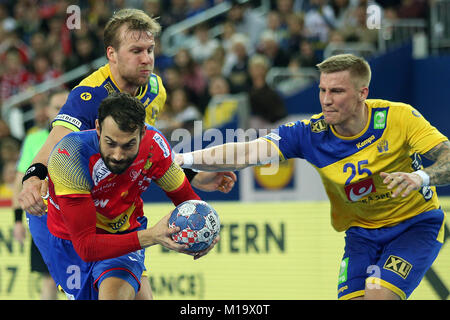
[199, 224]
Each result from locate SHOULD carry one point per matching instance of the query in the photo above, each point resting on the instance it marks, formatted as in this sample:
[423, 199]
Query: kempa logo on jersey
[99, 171]
[364, 143]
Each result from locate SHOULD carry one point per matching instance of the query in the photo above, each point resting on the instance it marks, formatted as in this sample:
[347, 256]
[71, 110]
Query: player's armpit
[439, 171]
[183, 193]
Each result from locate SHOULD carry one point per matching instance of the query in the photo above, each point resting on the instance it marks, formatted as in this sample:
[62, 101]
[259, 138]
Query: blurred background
[229, 65]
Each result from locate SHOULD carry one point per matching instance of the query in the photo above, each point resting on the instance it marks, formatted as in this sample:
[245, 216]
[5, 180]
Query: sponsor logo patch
[162, 144]
[360, 189]
[99, 171]
[398, 266]
[67, 118]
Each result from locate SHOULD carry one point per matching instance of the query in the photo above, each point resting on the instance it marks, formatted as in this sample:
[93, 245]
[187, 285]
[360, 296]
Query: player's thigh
[145, 292]
[407, 258]
[360, 254]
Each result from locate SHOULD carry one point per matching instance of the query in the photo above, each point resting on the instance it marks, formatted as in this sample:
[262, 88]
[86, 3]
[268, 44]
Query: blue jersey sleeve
[289, 139]
[80, 110]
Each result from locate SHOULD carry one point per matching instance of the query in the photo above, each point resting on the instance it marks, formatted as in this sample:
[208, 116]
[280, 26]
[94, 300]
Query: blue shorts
[80, 280]
[394, 257]
[39, 232]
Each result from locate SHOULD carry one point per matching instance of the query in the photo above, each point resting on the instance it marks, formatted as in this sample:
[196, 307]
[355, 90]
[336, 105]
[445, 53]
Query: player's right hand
[161, 234]
[32, 194]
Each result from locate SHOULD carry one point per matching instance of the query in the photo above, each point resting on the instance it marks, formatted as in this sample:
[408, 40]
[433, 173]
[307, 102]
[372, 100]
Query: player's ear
[97, 127]
[363, 94]
[111, 54]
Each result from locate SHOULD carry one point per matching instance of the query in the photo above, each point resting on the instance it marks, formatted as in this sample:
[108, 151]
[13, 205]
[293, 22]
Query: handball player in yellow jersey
[367, 152]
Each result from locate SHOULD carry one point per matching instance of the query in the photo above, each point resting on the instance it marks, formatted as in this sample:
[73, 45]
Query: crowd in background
[36, 45]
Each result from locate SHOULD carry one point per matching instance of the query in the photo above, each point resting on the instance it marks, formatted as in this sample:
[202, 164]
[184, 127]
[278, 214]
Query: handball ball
[199, 224]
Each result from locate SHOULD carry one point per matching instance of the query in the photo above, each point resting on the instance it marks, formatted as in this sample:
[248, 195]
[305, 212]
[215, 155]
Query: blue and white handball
[199, 224]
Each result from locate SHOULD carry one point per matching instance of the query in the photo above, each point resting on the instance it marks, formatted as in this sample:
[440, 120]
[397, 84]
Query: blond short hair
[358, 67]
[134, 19]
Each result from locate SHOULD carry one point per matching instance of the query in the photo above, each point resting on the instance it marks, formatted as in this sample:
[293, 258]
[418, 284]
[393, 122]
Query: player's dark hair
[127, 111]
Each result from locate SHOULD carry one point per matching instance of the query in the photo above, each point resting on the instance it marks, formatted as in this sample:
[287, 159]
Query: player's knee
[113, 288]
[379, 293]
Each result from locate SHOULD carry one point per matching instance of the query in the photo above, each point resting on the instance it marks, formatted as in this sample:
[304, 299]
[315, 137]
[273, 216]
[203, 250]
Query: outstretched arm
[230, 156]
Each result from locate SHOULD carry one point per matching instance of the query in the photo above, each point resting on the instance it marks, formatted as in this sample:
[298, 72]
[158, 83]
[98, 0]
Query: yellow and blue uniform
[80, 110]
[393, 139]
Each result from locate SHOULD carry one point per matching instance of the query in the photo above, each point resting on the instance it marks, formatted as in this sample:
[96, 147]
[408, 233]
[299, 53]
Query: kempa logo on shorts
[398, 266]
[379, 121]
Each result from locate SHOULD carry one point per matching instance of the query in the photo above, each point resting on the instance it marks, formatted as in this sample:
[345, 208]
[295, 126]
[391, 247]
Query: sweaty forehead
[129, 37]
[335, 79]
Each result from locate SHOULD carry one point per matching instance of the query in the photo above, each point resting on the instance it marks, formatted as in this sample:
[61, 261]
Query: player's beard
[118, 167]
[136, 80]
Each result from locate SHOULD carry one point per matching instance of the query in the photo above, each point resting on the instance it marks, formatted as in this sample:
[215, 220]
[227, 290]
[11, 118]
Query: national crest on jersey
[80, 110]
[350, 167]
[116, 197]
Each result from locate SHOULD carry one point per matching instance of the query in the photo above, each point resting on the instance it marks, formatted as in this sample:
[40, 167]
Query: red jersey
[81, 186]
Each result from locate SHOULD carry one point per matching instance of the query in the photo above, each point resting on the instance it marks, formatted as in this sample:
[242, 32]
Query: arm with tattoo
[439, 171]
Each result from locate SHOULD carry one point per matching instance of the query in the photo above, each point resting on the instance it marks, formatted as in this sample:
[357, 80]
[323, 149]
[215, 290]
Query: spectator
[360, 33]
[295, 32]
[221, 108]
[247, 22]
[42, 70]
[195, 7]
[38, 44]
[413, 9]
[84, 52]
[276, 25]
[211, 67]
[190, 72]
[15, 77]
[284, 9]
[266, 105]
[237, 63]
[4, 130]
[342, 10]
[175, 12]
[319, 21]
[306, 56]
[162, 60]
[9, 150]
[180, 113]
[58, 35]
[229, 29]
[203, 46]
[7, 182]
[270, 47]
